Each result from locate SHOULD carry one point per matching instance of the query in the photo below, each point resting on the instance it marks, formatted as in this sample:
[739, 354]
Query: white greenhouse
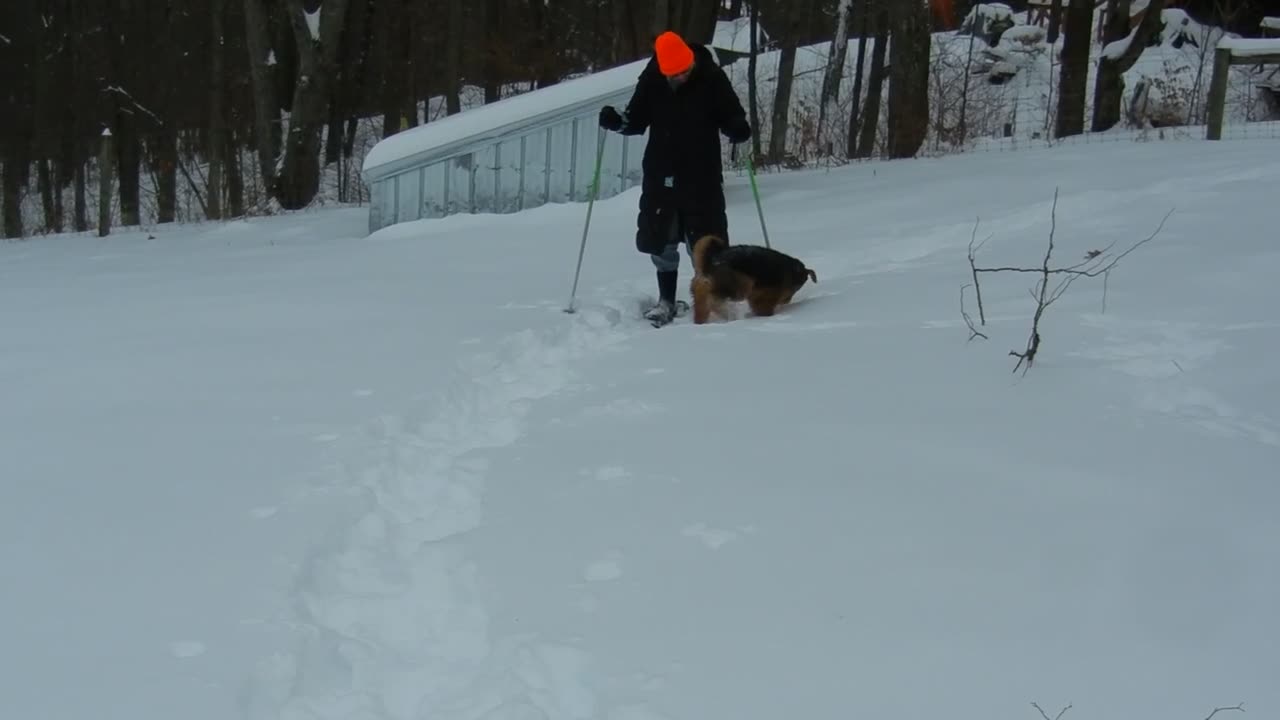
[520, 152]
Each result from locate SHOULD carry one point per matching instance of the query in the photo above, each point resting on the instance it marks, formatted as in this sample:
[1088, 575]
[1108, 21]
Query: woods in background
[244, 103]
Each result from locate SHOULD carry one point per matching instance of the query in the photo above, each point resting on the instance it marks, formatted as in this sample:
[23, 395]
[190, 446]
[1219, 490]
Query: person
[684, 100]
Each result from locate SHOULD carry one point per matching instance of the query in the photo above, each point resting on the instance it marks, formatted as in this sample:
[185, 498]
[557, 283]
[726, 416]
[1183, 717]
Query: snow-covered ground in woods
[276, 469]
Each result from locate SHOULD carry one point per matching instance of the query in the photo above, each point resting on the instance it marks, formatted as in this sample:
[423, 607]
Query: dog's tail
[705, 250]
[812, 275]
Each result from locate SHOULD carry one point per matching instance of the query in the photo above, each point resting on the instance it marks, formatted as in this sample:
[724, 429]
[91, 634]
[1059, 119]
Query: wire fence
[1004, 97]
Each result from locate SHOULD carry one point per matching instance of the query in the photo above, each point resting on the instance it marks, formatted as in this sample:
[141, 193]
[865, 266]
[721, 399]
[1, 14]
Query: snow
[491, 119]
[1116, 49]
[1027, 34]
[1251, 47]
[274, 469]
[313, 23]
[735, 35]
[1271, 23]
[989, 14]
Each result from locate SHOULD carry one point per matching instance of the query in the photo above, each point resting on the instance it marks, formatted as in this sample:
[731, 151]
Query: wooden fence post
[1218, 92]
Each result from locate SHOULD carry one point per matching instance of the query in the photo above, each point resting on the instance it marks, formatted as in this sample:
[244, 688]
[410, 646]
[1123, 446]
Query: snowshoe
[663, 313]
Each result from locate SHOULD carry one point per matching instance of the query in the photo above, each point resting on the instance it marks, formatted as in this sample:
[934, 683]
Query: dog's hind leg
[700, 289]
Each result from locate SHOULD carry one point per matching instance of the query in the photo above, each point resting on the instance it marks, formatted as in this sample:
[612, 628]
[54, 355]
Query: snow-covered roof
[1251, 47]
[507, 116]
[1271, 23]
[735, 36]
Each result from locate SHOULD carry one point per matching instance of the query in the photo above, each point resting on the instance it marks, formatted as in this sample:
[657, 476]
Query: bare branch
[1043, 301]
[973, 331]
[125, 93]
[977, 287]
[1093, 260]
[1238, 708]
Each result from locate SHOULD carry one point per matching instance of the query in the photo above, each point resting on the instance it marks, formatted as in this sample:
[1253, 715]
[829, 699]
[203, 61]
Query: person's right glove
[739, 132]
[610, 119]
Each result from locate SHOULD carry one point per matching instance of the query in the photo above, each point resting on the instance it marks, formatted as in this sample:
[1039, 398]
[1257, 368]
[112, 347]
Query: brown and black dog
[764, 277]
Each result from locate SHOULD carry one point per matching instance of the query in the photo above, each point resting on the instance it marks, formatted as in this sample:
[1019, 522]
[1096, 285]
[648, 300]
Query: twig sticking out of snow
[1238, 708]
[1045, 715]
[1096, 263]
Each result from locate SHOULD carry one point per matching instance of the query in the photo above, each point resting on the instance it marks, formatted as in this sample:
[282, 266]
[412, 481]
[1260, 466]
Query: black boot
[667, 286]
[665, 311]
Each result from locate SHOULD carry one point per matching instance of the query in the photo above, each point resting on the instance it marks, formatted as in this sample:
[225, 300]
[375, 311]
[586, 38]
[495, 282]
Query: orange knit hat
[674, 56]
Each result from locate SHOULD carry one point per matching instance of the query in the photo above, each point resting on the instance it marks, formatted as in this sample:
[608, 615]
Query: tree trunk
[217, 124]
[81, 219]
[389, 43]
[492, 36]
[454, 28]
[104, 185]
[1055, 21]
[1108, 90]
[908, 104]
[698, 20]
[59, 207]
[782, 104]
[753, 98]
[1073, 78]
[234, 174]
[128, 152]
[45, 181]
[541, 41]
[266, 114]
[834, 74]
[166, 165]
[875, 87]
[851, 143]
[14, 180]
[780, 121]
[661, 19]
[300, 172]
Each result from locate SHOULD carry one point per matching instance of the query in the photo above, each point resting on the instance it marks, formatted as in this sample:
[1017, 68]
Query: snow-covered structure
[732, 40]
[520, 152]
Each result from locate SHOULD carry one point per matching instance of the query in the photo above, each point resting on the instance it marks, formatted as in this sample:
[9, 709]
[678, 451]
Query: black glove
[610, 119]
[738, 132]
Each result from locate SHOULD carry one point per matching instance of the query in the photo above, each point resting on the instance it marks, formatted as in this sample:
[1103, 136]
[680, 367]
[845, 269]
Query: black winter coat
[683, 175]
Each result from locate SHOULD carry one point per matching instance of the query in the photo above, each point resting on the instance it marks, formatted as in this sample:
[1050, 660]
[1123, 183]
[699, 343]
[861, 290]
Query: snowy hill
[274, 469]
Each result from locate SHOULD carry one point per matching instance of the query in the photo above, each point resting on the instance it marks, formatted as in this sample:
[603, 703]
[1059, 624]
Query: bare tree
[1123, 48]
[780, 122]
[851, 144]
[753, 99]
[217, 125]
[266, 112]
[908, 103]
[299, 180]
[1074, 75]
[875, 86]
[834, 73]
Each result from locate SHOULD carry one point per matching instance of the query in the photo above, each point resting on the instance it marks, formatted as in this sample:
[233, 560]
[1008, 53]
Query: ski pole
[591, 200]
[751, 172]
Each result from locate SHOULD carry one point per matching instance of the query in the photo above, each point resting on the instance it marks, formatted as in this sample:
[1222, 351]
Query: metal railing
[521, 152]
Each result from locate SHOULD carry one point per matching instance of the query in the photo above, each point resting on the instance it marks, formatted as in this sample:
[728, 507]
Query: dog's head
[799, 274]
